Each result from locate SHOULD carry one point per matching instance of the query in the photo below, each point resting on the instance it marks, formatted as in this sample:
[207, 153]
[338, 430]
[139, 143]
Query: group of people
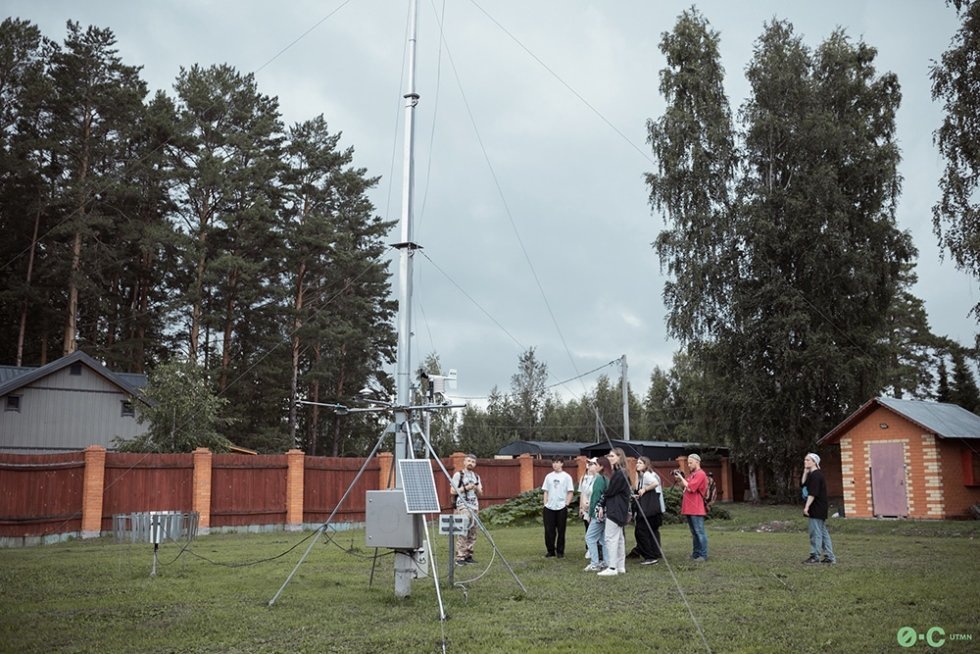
[609, 501]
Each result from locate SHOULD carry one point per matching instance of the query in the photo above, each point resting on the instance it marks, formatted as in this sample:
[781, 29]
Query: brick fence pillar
[93, 486]
[386, 479]
[726, 488]
[682, 464]
[294, 490]
[582, 463]
[201, 502]
[457, 459]
[527, 472]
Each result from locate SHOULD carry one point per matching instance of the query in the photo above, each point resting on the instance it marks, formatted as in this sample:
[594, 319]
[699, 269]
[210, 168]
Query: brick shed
[909, 459]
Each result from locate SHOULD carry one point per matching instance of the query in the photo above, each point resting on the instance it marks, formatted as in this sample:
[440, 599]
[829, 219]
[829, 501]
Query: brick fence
[45, 498]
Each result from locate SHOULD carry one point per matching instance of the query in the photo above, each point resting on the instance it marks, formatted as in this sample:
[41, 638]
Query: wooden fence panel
[146, 482]
[447, 503]
[501, 480]
[41, 494]
[248, 490]
[326, 479]
[541, 469]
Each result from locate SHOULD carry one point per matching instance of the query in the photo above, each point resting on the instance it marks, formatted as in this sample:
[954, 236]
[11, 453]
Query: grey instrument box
[389, 524]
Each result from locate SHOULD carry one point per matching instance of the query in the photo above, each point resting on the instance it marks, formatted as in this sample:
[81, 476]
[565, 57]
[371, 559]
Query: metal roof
[542, 448]
[940, 418]
[655, 450]
[15, 378]
[9, 372]
[943, 419]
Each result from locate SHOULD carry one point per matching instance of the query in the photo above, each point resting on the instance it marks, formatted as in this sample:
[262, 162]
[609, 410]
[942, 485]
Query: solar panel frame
[419, 486]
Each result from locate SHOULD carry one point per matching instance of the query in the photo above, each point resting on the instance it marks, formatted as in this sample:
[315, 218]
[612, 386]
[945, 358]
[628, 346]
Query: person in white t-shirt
[559, 488]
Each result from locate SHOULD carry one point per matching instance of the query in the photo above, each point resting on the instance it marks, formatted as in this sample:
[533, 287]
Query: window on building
[76, 368]
[13, 403]
[128, 410]
[971, 465]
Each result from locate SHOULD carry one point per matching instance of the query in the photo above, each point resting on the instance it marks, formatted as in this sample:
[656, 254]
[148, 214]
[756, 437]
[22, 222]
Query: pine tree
[96, 104]
[956, 82]
[787, 318]
[24, 190]
[963, 390]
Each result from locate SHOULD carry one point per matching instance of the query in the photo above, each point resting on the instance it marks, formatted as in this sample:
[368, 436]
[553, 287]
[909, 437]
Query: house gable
[68, 404]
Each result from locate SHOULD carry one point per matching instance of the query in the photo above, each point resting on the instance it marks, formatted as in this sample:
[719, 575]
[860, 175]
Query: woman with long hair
[649, 507]
[614, 508]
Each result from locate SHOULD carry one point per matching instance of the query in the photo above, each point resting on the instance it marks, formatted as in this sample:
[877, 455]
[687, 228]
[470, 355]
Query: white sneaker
[591, 568]
[588, 556]
[608, 572]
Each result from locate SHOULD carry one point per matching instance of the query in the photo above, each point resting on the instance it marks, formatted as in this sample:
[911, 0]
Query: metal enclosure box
[389, 524]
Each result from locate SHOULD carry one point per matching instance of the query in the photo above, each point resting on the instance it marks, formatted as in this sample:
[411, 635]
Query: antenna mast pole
[626, 402]
[404, 564]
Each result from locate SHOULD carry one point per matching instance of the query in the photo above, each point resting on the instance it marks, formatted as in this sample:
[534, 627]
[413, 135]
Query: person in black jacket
[614, 509]
[815, 489]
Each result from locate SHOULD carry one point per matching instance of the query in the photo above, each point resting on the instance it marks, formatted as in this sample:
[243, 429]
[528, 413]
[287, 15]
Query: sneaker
[811, 560]
[591, 568]
[549, 555]
[828, 561]
[469, 560]
[699, 558]
[460, 561]
[561, 556]
[650, 562]
[608, 572]
[588, 556]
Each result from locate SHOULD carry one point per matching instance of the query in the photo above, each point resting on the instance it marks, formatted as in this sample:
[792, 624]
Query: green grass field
[752, 596]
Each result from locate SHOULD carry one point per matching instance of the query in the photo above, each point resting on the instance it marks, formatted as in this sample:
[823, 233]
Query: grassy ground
[752, 596]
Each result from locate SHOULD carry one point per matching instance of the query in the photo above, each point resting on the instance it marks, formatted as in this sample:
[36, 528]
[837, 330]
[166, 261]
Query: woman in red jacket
[693, 505]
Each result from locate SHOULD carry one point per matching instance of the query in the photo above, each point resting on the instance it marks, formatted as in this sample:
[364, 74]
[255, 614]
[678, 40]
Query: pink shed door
[888, 494]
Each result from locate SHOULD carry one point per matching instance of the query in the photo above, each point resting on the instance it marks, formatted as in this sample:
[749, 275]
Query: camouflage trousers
[466, 540]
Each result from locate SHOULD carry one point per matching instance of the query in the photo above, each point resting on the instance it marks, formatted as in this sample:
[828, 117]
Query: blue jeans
[699, 537]
[594, 535]
[820, 539]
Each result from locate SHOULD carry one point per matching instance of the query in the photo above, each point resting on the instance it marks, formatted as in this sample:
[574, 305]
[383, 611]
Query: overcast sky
[530, 148]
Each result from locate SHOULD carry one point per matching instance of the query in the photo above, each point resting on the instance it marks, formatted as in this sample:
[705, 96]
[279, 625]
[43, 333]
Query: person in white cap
[815, 490]
[585, 494]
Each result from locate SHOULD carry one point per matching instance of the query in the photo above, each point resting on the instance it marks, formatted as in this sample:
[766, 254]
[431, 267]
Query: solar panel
[419, 486]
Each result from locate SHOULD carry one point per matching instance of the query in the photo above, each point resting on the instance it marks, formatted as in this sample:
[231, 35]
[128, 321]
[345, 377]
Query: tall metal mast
[404, 565]
[626, 401]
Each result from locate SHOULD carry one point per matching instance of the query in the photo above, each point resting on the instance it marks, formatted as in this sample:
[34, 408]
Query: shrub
[526, 509]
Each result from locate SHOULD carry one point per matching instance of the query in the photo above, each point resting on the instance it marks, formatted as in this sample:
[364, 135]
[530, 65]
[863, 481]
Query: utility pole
[626, 400]
[404, 563]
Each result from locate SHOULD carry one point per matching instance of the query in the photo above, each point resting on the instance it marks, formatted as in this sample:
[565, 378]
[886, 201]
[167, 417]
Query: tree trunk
[71, 328]
[294, 377]
[226, 337]
[313, 426]
[22, 329]
[753, 484]
[196, 308]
